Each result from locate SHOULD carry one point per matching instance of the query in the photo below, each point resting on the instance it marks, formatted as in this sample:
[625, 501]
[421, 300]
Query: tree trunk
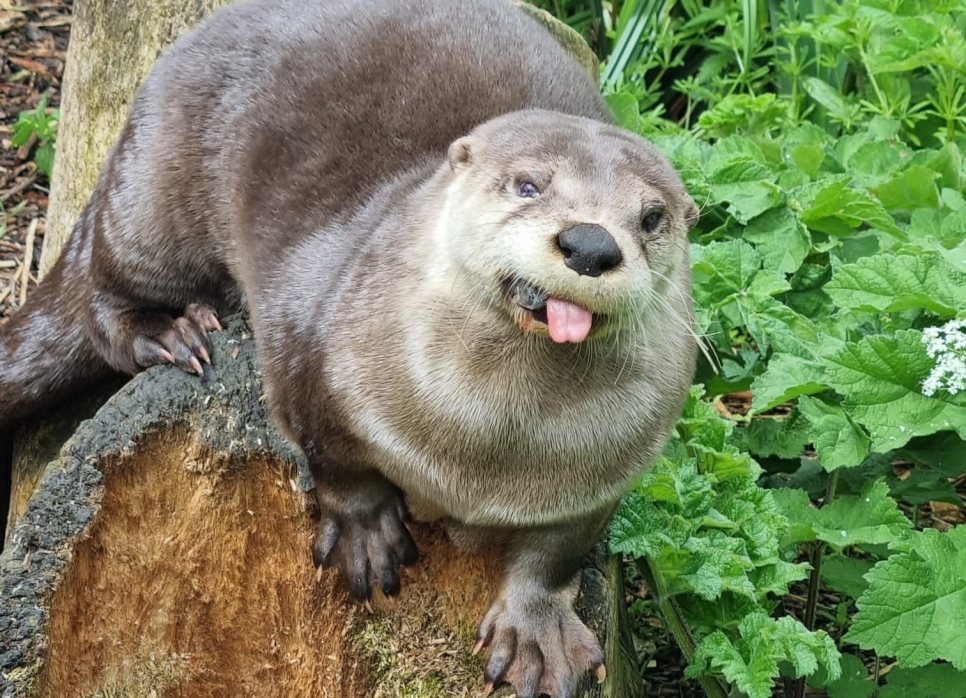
[113, 46]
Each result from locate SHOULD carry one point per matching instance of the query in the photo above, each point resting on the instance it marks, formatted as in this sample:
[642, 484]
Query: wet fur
[295, 159]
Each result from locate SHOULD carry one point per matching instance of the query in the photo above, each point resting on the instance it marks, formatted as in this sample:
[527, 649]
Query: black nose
[589, 249]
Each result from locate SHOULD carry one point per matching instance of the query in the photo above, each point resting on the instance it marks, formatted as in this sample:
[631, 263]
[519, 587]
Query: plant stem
[713, 688]
[814, 579]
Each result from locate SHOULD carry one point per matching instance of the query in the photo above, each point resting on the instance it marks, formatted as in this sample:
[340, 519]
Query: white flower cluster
[946, 344]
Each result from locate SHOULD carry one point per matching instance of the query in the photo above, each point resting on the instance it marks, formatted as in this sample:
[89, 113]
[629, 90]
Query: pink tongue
[567, 322]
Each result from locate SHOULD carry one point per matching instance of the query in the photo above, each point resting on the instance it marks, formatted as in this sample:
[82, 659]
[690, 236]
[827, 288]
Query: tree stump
[166, 552]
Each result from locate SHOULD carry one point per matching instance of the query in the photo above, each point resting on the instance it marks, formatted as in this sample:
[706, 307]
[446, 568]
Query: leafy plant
[708, 541]
[42, 125]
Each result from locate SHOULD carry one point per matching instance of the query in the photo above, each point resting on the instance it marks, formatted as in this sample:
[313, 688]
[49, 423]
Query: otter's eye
[528, 190]
[651, 221]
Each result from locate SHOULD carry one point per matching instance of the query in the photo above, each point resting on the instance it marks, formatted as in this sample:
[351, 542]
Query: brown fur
[348, 172]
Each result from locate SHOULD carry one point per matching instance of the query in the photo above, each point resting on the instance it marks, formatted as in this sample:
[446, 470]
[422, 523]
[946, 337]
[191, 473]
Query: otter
[470, 291]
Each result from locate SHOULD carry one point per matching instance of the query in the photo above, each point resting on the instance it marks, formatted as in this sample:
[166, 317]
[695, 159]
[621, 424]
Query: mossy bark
[113, 46]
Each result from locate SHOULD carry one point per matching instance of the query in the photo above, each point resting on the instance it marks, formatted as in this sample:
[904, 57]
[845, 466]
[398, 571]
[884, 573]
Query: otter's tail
[45, 353]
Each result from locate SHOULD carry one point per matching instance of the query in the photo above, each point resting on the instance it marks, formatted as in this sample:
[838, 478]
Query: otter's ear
[691, 213]
[461, 153]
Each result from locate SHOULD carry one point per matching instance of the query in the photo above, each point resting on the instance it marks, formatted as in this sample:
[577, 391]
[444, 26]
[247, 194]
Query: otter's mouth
[537, 311]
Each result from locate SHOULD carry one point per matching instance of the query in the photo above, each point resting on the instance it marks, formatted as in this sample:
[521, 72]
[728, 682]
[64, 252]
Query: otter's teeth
[527, 296]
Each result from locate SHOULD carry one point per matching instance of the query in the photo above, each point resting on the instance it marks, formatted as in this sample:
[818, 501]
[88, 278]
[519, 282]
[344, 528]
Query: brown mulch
[33, 43]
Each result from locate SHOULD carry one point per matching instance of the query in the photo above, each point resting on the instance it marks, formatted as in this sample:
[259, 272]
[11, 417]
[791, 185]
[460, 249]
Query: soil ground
[33, 41]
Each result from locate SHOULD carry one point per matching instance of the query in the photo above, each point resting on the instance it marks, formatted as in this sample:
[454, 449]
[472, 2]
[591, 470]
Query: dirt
[33, 42]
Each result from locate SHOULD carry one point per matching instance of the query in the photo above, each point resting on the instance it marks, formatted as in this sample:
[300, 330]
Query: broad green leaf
[764, 642]
[785, 437]
[722, 269]
[845, 574]
[948, 162]
[785, 378]
[945, 452]
[923, 486]
[838, 442]
[626, 110]
[832, 207]
[747, 186]
[780, 238]
[880, 377]
[888, 283]
[829, 97]
[869, 518]
[641, 530]
[797, 508]
[914, 188]
[915, 606]
[719, 563]
[854, 682]
[932, 681]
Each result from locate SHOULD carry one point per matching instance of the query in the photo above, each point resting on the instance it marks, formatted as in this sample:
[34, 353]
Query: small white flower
[947, 345]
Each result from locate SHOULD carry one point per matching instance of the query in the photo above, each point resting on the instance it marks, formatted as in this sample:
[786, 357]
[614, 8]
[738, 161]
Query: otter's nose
[589, 249]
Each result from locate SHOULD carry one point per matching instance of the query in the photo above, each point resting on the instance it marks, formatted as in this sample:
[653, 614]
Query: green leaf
[796, 506]
[915, 606]
[44, 157]
[786, 377]
[930, 681]
[914, 188]
[838, 441]
[747, 186]
[829, 97]
[923, 486]
[945, 452]
[626, 110]
[641, 530]
[780, 238]
[784, 438]
[832, 207]
[722, 269]
[845, 574]
[854, 682]
[751, 663]
[871, 517]
[880, 377]
[889, 283]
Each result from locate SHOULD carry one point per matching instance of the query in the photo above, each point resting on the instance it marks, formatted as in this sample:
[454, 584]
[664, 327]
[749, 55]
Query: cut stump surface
[166, 552]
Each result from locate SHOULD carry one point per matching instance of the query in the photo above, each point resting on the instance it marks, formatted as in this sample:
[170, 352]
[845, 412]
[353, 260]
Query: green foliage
[824, 144]
[713, 540]
[38, 122]
[915, 605]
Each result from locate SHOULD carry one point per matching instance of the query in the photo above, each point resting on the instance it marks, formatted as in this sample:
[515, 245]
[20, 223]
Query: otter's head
[574, 227]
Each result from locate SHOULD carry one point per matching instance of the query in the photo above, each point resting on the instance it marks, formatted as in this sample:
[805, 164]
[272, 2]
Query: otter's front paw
[538, 645]
[367, 542]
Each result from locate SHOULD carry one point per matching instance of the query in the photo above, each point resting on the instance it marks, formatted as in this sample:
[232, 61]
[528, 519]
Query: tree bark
[113, 46]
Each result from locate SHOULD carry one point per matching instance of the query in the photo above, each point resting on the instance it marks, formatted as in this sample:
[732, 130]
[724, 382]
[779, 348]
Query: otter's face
[576, 228]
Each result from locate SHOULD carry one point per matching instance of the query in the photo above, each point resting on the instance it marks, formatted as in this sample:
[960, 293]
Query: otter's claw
[538, 645]
[367, 542]
[183, 343]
